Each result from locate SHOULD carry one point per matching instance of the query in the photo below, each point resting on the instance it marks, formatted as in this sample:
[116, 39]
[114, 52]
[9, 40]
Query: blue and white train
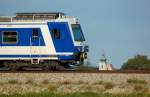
[39, 38]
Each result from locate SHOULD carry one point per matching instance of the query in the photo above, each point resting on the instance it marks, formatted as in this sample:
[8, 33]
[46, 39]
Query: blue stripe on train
[60, 57]
[24, 37]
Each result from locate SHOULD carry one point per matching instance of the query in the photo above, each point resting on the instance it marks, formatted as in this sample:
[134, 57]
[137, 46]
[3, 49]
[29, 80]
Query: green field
[85, 94]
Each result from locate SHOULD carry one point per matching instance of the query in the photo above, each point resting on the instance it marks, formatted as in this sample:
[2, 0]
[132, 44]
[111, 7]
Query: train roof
[26, 16]
[40, 13]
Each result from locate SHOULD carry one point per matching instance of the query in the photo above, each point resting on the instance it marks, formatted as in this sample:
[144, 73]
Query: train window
[56, 33]
[77, 32]
[35, 33]
[10, 37]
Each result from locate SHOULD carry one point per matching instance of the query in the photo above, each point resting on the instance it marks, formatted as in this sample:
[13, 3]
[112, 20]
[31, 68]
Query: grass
[141, 89]
[77, 94]
[2, 83]
[108, 85]
[86, 88]
[13, 81]
[98, 83]
[29, 81]
[52, 87]
[139, 86]
[67, 86]
[66, 82]
[136, 81]
[45, 81]
[82, 82]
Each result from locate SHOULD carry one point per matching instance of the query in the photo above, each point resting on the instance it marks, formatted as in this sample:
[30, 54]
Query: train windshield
[77, 32]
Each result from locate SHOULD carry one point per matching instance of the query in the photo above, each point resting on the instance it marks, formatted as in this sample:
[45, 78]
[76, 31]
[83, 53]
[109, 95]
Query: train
[49, 40]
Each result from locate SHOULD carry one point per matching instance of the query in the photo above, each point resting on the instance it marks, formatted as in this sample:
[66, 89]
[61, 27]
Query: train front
[81, 48]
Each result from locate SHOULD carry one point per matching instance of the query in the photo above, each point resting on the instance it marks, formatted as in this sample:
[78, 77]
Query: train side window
[35, 34]
[56, 33]
[10, 37]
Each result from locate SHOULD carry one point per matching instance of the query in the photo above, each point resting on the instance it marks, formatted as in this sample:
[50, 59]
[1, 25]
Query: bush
[139, 62]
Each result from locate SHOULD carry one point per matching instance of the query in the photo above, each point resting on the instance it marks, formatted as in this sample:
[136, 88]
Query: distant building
[103, 65]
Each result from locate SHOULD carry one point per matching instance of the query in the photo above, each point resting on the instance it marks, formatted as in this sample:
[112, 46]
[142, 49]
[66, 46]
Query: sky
[120, 28]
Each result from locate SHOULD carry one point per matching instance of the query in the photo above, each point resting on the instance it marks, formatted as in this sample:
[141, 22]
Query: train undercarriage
[46, 65]
[26, 65]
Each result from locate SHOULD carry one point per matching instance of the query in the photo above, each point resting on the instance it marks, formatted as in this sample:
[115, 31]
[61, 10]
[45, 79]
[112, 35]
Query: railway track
[78, 71]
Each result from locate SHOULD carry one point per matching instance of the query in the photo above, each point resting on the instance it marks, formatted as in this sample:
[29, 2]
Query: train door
[34, 46]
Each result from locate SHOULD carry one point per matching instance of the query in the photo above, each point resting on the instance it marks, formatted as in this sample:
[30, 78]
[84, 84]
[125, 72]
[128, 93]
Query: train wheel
[11, 66]
[54, 65]
[51, 66]
[46, 68]
[2, 64]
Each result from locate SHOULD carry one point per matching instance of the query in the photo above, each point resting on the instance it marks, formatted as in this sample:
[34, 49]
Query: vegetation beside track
[13, 87]
[74, 85]
[77, 94]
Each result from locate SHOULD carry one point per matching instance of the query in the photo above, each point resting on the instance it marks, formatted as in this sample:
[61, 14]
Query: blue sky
[120, 28]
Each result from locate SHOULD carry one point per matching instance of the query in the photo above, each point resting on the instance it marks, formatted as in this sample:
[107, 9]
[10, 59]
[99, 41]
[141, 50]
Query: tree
[139, 62]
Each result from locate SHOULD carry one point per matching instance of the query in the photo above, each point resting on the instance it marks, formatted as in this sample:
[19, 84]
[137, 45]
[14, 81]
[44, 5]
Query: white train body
[39, 37]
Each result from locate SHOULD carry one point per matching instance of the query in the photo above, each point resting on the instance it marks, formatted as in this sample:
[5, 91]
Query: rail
[74, 71]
